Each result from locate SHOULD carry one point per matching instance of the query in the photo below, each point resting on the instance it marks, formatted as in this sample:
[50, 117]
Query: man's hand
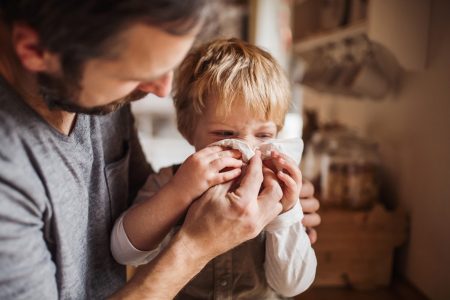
[216, 222]
[310, 205]
[220, 219]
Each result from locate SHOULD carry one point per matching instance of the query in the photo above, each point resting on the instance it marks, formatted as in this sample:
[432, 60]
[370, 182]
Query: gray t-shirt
[59, 197]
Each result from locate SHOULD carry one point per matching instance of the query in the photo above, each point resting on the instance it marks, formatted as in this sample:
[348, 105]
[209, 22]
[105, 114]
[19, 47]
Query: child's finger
[289, 182]
[268, 175]
[227, 176]
[285, 164]
[226, 162]
[226, 153]
[269, 163]
[273, 162]
[210, 150]
[219, 151]
[289, 166]
[290, 191]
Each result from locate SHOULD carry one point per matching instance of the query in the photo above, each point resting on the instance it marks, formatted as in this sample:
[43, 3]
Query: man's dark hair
[79, 30]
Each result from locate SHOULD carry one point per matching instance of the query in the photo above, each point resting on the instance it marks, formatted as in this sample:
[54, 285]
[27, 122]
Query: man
[70, 161]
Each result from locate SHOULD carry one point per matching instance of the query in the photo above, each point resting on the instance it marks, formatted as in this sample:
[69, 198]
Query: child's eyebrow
[268, 125]
[220, 124]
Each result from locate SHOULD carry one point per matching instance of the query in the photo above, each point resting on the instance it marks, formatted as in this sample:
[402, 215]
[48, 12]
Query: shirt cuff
[123, 250]
[286, 219]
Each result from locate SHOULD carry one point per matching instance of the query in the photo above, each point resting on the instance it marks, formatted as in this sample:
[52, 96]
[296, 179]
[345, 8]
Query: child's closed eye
[265, 136]
[224, 133]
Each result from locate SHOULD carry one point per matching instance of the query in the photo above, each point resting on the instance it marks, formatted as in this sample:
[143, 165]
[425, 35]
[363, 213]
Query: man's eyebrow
[144, 78]
[151, 78]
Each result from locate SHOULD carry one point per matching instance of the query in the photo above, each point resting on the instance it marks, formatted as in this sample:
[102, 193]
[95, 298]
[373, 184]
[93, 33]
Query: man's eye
[224, 133]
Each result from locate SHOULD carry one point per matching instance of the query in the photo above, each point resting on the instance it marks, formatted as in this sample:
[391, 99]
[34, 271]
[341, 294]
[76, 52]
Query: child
[226, 89]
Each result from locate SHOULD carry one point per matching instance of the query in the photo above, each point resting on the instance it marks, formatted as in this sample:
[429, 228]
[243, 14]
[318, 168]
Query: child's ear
[28, 48]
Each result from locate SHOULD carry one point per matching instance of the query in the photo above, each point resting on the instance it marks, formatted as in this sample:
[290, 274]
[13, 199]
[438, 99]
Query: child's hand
[289, 174]
[206, 168]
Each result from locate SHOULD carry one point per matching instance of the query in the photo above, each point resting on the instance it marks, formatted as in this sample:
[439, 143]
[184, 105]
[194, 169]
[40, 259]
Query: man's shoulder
[14, 113]
[15, 126]
[14, 150]
[11, 125]
[17, 172]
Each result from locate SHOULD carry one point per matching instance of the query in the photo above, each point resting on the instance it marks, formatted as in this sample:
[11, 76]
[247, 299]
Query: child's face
[241, 124]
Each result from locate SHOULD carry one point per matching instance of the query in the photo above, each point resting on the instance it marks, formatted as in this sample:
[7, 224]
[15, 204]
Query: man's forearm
[166, 275]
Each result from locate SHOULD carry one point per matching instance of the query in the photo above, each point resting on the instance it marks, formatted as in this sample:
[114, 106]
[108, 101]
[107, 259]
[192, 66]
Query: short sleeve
[154, 183]
[27, 268]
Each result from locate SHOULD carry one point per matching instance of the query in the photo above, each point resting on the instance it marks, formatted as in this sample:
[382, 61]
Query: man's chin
[98, 110]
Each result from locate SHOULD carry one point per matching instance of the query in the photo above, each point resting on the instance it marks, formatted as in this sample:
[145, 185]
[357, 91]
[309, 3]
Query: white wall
[267, 33]
[413, 129]
[270, 20]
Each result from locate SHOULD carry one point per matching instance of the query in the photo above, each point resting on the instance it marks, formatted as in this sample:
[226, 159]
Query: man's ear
[28, 48]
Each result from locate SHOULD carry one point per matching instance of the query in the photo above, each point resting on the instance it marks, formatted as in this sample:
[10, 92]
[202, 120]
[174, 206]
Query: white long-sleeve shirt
[289, 261]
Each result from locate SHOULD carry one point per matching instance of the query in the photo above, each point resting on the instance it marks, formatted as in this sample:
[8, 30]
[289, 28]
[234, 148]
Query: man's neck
[61, 120]
[26, 85]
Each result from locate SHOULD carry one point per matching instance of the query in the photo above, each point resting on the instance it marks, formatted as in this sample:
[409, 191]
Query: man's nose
[160, 87]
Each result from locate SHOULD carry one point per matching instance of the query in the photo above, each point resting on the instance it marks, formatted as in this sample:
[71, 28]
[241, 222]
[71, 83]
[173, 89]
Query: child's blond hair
[230, 71]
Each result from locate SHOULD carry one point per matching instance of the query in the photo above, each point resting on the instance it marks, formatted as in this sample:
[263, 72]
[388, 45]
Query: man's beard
[60, 94]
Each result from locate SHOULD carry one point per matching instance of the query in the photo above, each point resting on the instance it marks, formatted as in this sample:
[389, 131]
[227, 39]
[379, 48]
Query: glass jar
[347, 171]
[363, 178]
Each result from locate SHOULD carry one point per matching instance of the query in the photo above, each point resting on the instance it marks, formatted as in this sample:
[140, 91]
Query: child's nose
[252, 141]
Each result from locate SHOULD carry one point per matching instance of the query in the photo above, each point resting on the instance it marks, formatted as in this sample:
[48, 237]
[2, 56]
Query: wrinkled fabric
[290, 147]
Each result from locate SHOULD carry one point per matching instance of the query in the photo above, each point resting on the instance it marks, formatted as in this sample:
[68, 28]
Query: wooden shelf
[330, 37]
[399, 26]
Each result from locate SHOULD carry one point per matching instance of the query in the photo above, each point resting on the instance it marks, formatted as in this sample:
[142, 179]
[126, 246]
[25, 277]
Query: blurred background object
[380, 73]
[344, 168]
[162, 144]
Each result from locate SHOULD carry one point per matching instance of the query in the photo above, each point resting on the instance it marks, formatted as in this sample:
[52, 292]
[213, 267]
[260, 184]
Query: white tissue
[290, 147]
[246, 150]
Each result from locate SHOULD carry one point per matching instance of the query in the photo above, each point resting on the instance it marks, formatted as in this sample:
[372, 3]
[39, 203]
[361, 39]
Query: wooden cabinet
[356, 248]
